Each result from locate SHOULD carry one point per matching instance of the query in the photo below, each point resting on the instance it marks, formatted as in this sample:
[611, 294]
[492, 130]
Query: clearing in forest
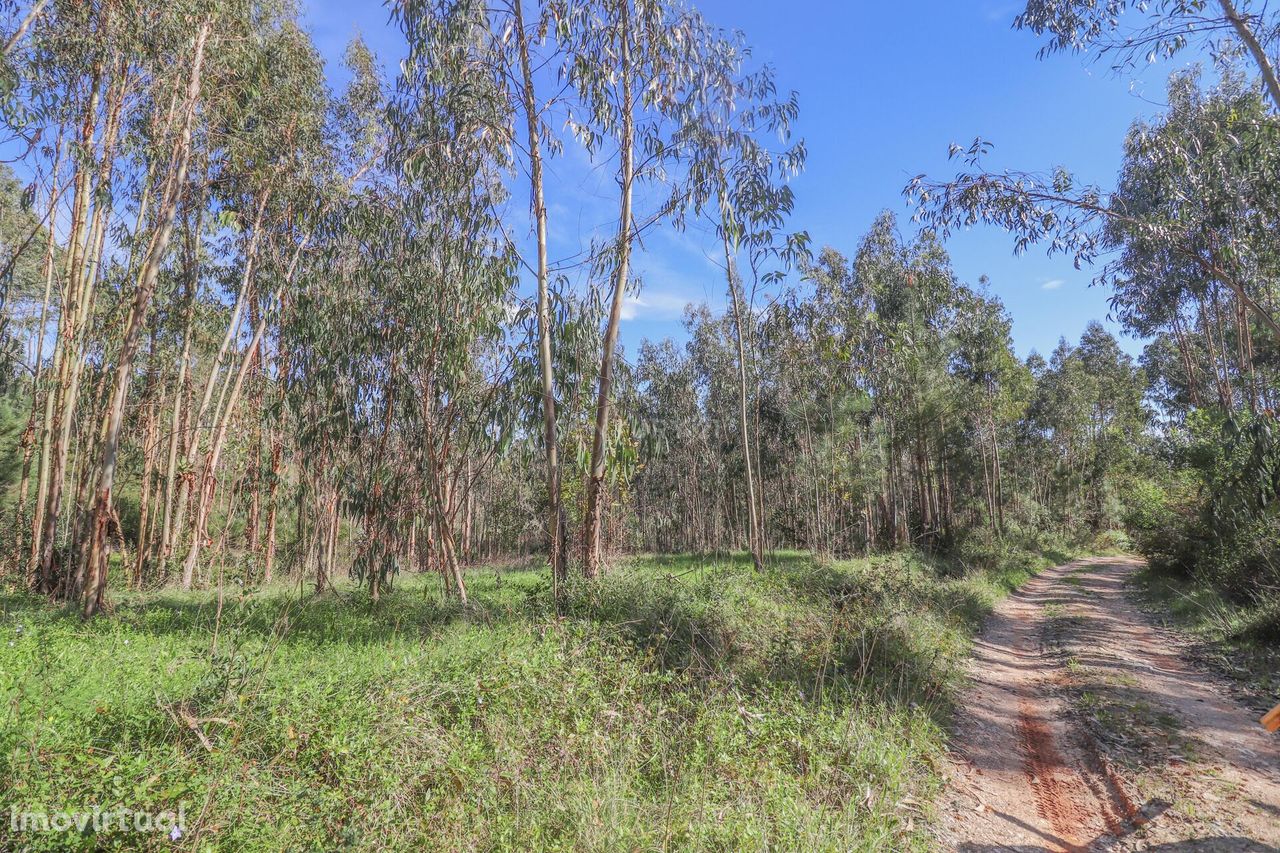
[1084, 728]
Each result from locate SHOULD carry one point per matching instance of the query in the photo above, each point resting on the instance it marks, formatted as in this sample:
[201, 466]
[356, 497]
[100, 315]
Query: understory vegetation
[1225, 633]
[1211, 529]
[681, 703]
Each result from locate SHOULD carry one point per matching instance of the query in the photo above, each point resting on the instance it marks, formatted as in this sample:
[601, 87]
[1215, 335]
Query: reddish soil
[1086, 728]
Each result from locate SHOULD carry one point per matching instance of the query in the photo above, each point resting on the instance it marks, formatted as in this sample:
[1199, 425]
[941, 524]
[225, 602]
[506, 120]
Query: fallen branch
[181, 714]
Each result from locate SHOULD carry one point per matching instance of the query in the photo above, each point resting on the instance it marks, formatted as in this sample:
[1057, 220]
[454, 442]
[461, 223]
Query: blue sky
[884, 89]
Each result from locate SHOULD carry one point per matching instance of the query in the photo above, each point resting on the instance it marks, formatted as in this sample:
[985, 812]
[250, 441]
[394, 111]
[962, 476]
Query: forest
[338, 508]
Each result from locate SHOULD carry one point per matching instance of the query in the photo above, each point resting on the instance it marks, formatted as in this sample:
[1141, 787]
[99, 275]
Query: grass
[1226, 635]
[679, 703]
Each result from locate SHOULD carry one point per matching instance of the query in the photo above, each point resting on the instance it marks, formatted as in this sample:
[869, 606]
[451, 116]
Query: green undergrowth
[1236, 639]
[678, 703]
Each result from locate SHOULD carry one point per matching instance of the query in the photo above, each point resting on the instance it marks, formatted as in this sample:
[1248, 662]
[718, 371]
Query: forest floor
[1086, 726]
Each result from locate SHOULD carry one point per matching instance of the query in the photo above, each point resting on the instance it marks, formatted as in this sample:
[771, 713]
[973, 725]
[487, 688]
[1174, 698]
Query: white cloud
[654, 305]
[1000, 11]
[1052, 284]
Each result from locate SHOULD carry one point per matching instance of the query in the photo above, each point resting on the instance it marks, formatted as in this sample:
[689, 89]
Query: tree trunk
[27, 21]
[1255, 48]
[753, 523]
[211, 383]
[555, 511]
[269, 559]
[96, 563]
[148, 467]
[67, 360]
[29, 435]
[209, 478]
[595, 485]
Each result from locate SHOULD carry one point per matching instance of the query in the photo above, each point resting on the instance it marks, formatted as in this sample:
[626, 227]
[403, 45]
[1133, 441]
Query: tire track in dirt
[1056, 793]
[1028, 774]
[1062, 793]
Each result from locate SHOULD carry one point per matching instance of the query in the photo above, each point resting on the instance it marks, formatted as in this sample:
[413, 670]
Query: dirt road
[1085, 729]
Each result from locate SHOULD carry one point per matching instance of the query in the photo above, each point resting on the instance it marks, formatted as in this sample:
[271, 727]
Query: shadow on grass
[345, 615]
[1240, 641]
[834, 632]
[892, 629]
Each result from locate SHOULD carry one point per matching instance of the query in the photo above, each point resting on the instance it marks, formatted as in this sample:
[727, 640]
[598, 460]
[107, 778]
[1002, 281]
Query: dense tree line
[260, 322]
[887, 409]
[256, 329]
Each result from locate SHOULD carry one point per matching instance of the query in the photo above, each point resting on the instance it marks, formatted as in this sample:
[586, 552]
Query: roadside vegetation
[689, 703]
[1224, 633]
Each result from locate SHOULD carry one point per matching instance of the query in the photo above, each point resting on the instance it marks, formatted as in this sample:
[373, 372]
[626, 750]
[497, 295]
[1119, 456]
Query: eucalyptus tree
[914, 296]
[1088, 406]
[268, 168]
[23, 242]
[1190, 217]
[826, 366]
[1054, 209]
[671, 492]
[631, 65]
[21, 276]
[398, 336]
[80, 52]
[29, 268]
[995, 395]
[111, 89]
[1178, 367]
[576, 319]
[23, 24]
[742, 186]
[1220, 277]
[8, 341]
[516, 49]
[246, 135]
[86, 78]
[1162, 29]
[156, 113]
[538, 139]
[177, 139]
[891, 403]
[449, 160]
[1189, 226]
[1118, 420]
[711, 355]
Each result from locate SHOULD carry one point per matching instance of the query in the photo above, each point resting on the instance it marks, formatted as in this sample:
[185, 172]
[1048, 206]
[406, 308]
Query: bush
[1113, 542]
[1215, 521]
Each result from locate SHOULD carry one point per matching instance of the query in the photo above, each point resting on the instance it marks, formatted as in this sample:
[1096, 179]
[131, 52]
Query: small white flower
[175, 833]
